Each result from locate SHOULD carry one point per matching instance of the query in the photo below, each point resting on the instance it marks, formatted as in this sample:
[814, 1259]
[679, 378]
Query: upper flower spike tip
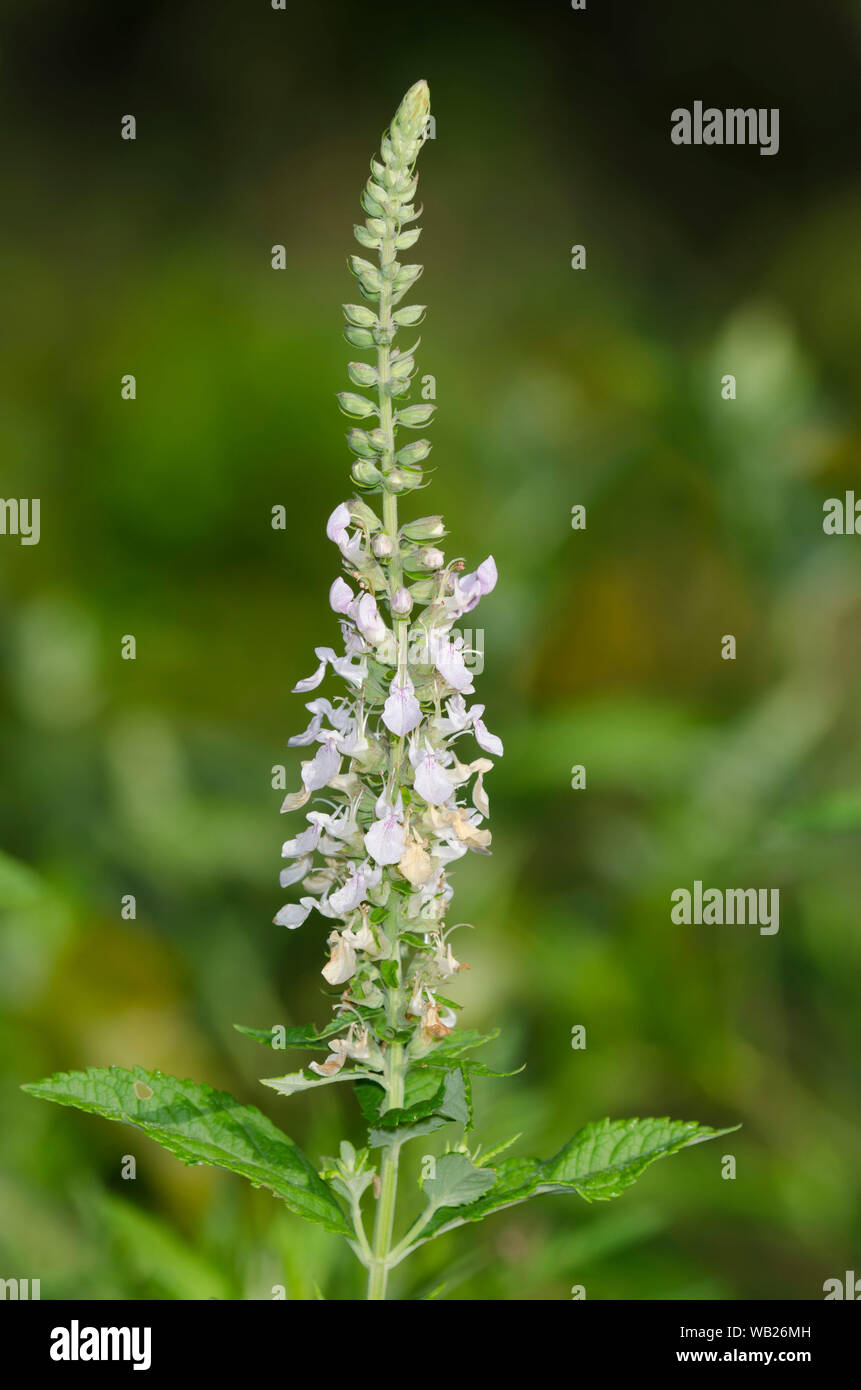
[411, 116]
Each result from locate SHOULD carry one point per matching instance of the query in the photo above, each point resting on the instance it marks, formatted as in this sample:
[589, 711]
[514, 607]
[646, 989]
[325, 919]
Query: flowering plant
[395, 801]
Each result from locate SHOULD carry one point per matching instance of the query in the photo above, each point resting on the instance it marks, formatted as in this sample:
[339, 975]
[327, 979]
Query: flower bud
[382, 546]
[430, 558]
[394, 481]
[365, 474]
[402, 602]
[424, 528]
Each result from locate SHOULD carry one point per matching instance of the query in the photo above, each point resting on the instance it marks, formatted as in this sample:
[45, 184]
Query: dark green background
[602, 647]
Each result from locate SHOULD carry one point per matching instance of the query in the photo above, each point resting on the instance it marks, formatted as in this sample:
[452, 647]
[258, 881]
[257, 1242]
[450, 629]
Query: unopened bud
[382, 546]
[394, 481]
[424, 528]
[402, 602]
[365, 474]
[430, 558]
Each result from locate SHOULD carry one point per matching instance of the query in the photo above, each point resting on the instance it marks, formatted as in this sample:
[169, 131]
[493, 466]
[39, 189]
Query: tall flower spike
[399, 807]
[395, 799]
[407, 802]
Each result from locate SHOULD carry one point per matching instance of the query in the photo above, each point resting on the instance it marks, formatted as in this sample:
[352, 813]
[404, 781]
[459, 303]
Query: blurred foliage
[602, 647]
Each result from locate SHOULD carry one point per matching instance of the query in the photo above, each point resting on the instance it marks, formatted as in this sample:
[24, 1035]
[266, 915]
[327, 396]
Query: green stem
[378, 1271]
[378, 1267]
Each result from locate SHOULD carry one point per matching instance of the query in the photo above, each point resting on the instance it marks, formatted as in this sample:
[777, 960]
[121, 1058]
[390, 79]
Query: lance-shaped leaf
[600, 1162]
[200, 1125]
[304, 1035]
[606, 1157]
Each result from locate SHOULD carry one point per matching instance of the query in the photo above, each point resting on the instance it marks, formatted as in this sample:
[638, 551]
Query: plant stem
[378, 1272]
[378, 1267]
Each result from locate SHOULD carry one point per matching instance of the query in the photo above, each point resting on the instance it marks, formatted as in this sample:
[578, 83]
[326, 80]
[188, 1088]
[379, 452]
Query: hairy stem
[385, 1219]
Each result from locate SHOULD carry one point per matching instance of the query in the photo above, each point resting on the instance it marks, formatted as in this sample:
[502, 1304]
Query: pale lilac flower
[341, 826]
[431, 780]
[448, 660]
[294, 914]
[301, 844]
[352, 893]
[483, 737]
[296, 872]
[341, 665]
[336, 529]
[402, 711]
[385, 841]
[472, 587]
[340, 596]
[325, 765]
[369, 622]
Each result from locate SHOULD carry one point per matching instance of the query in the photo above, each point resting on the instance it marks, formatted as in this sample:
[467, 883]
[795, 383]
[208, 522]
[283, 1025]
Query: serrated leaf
[608, 1156]
[305, 1035]
[599, 1163]
[459, 1041]
[457, 1182]
[296, 1081]
[200, 1125]
[448, 1103]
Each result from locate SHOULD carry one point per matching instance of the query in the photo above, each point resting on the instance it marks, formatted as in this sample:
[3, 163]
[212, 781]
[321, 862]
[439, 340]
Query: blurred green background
[602, 647]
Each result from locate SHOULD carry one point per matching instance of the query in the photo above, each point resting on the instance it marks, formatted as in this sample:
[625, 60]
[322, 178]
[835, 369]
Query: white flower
[336, 529]
[416, 866]
[385, 841]
[340, 596]
[472, 587]
[483, 737]
[341, 665]
[352, 893]
[333, 1064]
[341, 964]
[448, 660]
[369, 622]
[430, 778]
[294, 914]
[301, 844]
[297, 871]
[325, 765]
[402, 711]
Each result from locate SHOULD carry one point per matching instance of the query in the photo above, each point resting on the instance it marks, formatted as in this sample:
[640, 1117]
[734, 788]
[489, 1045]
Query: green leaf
[599, 1163]
[388, 973]
[200, 1125]
[606, 1157]
[300, 1080]
[457, 1182]
[306, 1035]
[459, 1041]
[448, 1103]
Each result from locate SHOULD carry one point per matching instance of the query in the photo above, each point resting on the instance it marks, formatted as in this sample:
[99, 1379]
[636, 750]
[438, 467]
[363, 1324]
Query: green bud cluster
[388, 200]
